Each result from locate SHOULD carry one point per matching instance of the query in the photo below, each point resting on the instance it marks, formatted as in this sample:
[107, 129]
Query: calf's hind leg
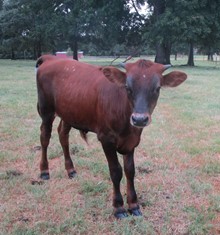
[63, 130]
[46, 129]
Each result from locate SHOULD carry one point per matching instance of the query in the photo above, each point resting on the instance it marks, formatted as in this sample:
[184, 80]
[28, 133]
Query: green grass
[212, 168]
[93, 188]
[177, 163]
[200, 220]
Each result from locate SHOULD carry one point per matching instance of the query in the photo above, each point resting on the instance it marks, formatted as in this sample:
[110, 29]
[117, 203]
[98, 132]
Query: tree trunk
[39, 50]
[163, 49]
[191, 55]
[1, 5]
[12, 54]
[210, 57]
[210, 54]
[175, 55]
[160, 54]
[163, 53]
[167, 53]
[34, 53]
[75, 50]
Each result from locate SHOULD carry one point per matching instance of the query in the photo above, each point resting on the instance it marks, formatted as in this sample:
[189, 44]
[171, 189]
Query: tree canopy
[29, 28]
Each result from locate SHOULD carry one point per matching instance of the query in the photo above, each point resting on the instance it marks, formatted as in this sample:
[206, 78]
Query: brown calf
[113, 104]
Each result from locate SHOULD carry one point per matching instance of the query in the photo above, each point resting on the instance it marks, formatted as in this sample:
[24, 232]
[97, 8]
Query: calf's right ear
[173, 79]
[114, 75]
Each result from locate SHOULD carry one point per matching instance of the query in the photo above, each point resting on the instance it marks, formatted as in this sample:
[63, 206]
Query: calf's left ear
[114, 75]
[173, 79]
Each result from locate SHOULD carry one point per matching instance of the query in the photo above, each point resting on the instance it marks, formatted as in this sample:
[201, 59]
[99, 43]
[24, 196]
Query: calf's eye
[157, 90]
[128, 89]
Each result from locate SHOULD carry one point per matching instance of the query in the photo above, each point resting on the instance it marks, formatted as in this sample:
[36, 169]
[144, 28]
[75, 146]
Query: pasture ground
[177, 164]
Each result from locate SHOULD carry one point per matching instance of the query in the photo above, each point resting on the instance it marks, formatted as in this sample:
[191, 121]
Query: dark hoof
[45, 176]
[72, 174]
[135, 211]
[37, 182]
[120, 214]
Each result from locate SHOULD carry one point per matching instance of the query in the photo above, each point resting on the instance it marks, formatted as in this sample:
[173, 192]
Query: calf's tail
[83, 134]
[44, 58]
[40, 61]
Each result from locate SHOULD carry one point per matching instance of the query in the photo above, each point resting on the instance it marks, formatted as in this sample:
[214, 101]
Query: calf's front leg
[116, 176]
[129, 168]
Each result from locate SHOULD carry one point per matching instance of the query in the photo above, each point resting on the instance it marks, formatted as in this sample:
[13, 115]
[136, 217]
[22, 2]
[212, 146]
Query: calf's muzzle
[140, 119]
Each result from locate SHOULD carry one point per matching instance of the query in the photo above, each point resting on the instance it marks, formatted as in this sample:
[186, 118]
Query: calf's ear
[114, 75]
[173, 79]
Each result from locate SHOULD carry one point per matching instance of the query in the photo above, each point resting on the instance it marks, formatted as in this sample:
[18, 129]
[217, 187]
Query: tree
[209, 42]
[160, 27]
[193, 24]
[109, 27]
[180, 21]
[40, 25]
[28, 25]
[40, 30]
[11, 26]
[1, 8]
[70, 14]
[162, 45]
[102, 23]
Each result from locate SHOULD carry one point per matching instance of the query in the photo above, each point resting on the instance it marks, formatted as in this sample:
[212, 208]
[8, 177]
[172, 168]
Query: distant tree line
[29, 28]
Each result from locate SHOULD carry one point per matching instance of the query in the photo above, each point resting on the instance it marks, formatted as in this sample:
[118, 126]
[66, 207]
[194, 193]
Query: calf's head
[143, 80]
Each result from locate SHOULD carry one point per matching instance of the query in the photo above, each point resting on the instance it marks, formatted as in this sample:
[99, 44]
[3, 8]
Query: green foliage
[179, 22]
[184, 21]
[114, 27]
[28, 25]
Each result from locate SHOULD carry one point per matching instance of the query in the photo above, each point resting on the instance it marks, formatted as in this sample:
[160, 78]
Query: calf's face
[143, 80]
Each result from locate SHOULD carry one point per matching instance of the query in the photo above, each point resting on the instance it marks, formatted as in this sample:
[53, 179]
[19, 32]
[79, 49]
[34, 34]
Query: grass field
[177, 164]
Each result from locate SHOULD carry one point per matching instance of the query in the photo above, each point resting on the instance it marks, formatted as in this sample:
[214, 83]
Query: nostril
[134, 119]
[145, 119]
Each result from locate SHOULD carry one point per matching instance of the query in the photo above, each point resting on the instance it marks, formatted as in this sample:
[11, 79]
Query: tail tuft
[83, 134]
